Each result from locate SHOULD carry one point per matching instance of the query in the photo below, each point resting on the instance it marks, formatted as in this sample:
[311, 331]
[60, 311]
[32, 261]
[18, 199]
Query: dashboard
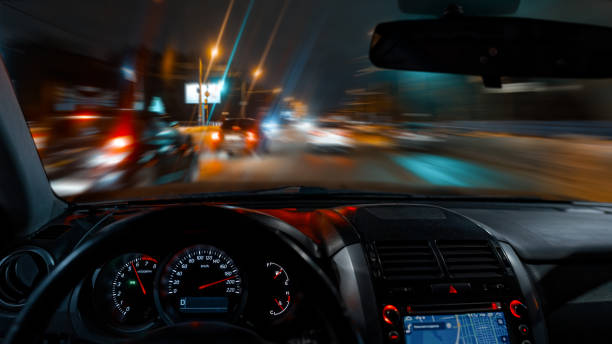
[404, 273]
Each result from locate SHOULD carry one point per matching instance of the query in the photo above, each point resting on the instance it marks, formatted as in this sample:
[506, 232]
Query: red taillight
[84, 116]
[120, 142]
[251, 137]
[215, 136]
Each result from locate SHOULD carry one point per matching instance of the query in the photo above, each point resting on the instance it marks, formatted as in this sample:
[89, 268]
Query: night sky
[316, 55]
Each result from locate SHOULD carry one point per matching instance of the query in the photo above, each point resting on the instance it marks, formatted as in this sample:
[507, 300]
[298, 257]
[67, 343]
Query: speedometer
[200, 282]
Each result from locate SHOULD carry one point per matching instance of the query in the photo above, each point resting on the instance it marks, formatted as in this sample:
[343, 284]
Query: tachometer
[200, 282]
[126, 286]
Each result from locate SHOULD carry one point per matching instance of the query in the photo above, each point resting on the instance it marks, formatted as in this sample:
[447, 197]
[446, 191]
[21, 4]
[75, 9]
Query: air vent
[470, 259]
[21, 272]
[407, 260]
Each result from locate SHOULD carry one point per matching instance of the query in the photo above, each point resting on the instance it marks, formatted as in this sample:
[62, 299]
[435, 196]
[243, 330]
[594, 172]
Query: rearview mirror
[469, 7]
[494, 47]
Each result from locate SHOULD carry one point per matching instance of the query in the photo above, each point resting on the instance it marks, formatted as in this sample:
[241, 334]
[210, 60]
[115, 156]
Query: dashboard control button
[494, 287]
[391, 315]
[393, 336]
[451, 288]
[403, 291]
[523, 329]
[518, 309]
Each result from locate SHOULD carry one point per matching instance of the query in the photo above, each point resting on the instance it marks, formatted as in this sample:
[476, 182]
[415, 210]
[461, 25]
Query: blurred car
[329, 136]
[414, 136]
[91, 151]
[239, 135]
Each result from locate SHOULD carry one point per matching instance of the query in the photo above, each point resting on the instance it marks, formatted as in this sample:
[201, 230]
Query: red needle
[279, 304]
[216, 282]
[139, 282]
[278, 273]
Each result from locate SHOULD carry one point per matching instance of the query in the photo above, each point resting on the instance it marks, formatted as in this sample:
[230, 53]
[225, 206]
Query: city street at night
[544, 166]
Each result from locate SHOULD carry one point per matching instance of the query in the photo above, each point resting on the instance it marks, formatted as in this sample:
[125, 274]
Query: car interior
[301, 264]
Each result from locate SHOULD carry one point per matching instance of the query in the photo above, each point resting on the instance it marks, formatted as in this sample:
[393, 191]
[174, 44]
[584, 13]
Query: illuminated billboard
[214, 92]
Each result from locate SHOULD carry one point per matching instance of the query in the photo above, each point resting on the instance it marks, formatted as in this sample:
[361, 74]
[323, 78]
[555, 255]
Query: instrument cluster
[139, 291]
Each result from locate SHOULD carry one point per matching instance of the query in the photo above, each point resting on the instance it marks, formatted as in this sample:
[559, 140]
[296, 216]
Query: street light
[214, 52]
[257, 73]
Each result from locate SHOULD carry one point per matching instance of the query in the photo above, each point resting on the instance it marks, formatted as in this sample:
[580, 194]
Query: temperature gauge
[277, 282]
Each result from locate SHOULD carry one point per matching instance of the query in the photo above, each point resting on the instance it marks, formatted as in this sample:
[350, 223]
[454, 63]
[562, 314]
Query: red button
[390, 314]
[393, 336]
[517, 308]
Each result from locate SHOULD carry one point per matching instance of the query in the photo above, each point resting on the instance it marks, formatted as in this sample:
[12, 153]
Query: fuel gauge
[278, 285]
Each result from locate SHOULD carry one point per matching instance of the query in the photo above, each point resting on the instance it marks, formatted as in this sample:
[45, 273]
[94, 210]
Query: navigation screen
[469, 328]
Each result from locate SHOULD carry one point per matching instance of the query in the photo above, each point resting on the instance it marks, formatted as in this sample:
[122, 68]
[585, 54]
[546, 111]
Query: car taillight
[120, 142]
[115, 151]
[215, 136]
[251, 137]
[84, 116]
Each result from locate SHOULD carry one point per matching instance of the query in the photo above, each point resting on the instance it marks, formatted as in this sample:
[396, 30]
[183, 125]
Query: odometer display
[200, 282]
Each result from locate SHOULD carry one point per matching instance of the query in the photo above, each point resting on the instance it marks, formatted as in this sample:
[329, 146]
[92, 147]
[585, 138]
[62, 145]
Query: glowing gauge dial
[200, 282]
[123, 293]
[277, 287]
[132, 291]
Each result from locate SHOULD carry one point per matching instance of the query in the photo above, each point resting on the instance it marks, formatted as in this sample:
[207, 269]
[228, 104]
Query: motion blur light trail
[293, 76]
[227, 15]
[264, 55]
[233, 53]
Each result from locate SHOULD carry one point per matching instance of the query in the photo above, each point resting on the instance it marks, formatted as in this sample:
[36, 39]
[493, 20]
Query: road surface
[560, 168]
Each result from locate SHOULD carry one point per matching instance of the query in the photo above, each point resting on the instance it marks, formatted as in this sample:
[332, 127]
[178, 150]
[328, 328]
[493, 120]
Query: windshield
[129, 99]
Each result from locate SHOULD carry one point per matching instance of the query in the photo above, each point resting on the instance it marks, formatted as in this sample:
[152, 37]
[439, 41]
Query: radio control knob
[391, 315]
[518, 309]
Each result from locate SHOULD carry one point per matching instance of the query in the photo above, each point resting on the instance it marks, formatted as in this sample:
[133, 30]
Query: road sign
[211, 91]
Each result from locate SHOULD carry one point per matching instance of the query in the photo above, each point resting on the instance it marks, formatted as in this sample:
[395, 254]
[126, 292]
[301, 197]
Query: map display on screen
[468, 328]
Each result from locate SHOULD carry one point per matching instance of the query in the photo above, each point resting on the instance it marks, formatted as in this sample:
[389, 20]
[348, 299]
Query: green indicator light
[132, 282]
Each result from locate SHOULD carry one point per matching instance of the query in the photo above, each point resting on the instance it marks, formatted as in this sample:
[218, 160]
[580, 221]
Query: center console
[440, 278]
[441, 291]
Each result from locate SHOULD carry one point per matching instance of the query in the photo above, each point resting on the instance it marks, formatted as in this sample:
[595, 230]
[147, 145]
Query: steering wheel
[169, 224]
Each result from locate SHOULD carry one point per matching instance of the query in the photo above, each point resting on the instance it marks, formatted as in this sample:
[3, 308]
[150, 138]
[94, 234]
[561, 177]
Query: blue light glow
[157, 105]
[452, 172]
[231, 58]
